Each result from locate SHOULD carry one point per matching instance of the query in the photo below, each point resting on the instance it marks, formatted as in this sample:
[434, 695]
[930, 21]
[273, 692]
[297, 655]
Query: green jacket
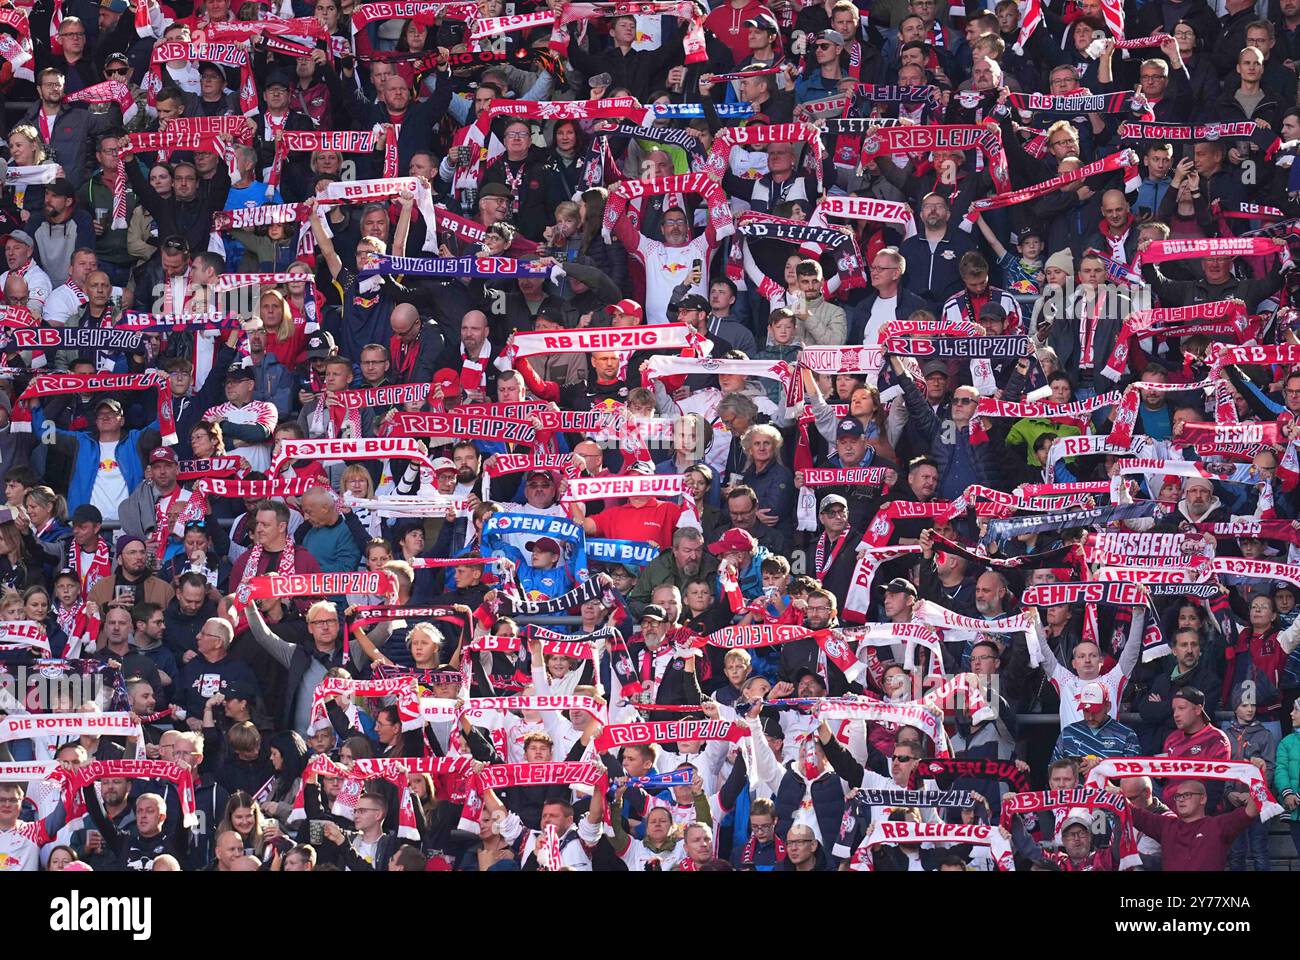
[663, 569]
[1286, 775]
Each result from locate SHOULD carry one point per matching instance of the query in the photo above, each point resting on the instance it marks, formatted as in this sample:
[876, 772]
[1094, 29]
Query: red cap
[734, 539]
[449, 380]
[629, 307]
[161, 454]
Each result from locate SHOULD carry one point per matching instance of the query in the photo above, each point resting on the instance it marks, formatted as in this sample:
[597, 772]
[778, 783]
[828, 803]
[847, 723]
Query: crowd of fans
[607, 436]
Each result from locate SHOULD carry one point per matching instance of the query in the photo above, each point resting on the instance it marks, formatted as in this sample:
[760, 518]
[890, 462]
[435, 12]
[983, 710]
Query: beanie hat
[1062, 260]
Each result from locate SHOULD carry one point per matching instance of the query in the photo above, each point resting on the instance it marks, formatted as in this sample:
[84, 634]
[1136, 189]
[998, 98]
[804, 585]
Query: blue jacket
[82, 481]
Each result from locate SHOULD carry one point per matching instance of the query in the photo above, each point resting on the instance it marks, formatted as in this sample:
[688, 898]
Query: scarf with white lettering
[502, 776]
[729, 137]
[664, 336]
[24, 726]
[693, 42]
[380, 583]
[181, 777]
[1124, 158]
[274, 488]
[987, 138]
[404, 689]
[222, 54]
[356, 448]
[62, 384]
[1167, 131]
[894, 213]
[110, 91]
[625, 191]
[1086, 798]
[456, 425]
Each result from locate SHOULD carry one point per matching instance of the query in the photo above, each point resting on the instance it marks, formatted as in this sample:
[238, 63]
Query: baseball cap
[642, 467]
[234, 690]
[654, 612]
[734, 540]
[848, 427]
[494, 190]
[808, 672]
[87, 513]
[772, 727]
[61, 187]
[1193, 695]
[320, 344]
[163, 455]
[117, 57]
[931, 367]
[692, 301]
[1077, 817]
[629, 307]
[449, 380]
[277, 78]
[443, 463]
[1093, 695]
[834, 36]
[544, 544]
[832, 500]
[238, 371]
[763, 21]
[22, 236]
[110, 403]
[538, 473]
[207, 66]
[993, 311]
[901, 585]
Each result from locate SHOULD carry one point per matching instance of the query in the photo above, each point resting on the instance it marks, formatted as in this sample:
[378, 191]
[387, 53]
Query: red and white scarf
[913, 833]
[894, 213]
[100, 565]
[274, 488]
[583, 489]
[728, 137]
[344, 141]
[1169, 767]
[625, 191]
[1124, 158]
[664, 336]
[987, 138]
[60, 384]
[179, 776]
[222, 54]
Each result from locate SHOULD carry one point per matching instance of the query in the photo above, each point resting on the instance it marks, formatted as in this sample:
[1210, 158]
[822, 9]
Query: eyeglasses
[72, 33]
[897, 759]
[964, 400]
[675, 222]
[882, 267]
[119, 72]
[797, 843]
[319, 623]
[517, 135]
[836, 511]
[1067, 142]
[1185, 794]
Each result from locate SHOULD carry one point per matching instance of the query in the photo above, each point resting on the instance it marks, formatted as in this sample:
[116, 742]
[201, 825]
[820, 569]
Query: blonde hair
[356, 470]
[285, 330]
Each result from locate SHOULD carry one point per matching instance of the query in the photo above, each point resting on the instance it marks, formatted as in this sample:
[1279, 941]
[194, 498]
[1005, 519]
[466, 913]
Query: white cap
[1093, 694]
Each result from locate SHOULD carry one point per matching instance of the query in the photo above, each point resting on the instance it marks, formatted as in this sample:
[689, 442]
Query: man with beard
[807, 654]
[686, 561]
[835, 553]
[132, 583]
[933, 254]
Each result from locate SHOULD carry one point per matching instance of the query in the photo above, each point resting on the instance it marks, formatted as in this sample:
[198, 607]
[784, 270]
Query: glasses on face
[797, 843]
[982, 659]
[516, 135]
[899, 759]
[964, 400]
[834, 512]
[1060, 143]
[882, 267]
[72, 35]
[320, 622]
[675, 222]
[1186, 794]
[118, 72]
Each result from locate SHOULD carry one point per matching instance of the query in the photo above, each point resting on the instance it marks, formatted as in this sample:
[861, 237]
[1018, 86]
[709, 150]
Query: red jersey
[655, 522]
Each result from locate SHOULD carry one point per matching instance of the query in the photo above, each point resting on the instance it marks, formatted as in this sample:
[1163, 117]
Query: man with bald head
[1116, 233]
[335, 540]
[476, 357]
[413, 358]
[230, 850]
